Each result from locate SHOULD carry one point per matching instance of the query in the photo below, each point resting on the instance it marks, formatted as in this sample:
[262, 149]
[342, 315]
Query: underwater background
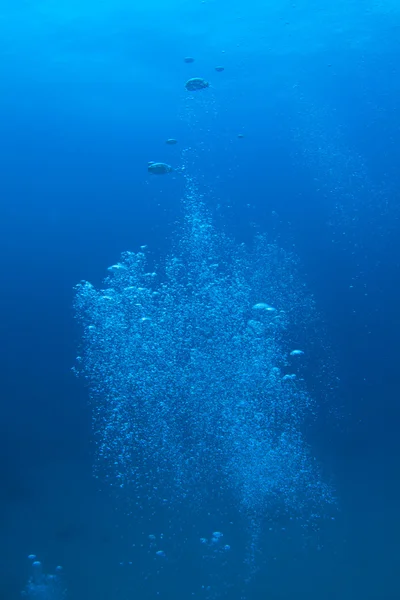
[296, 139]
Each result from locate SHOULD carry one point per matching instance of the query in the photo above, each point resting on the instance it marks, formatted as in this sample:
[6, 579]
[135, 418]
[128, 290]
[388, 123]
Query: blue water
[89, 94]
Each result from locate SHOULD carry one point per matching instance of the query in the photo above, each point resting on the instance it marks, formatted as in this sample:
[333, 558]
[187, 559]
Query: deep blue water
[88, 95]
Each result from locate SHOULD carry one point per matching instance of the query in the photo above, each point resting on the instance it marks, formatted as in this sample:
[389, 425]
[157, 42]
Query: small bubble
[296, 353]
[263, 306]
[218, 534]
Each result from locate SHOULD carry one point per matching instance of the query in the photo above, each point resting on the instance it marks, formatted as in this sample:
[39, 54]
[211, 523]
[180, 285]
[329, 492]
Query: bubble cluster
[186, 369]
[42, 586]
